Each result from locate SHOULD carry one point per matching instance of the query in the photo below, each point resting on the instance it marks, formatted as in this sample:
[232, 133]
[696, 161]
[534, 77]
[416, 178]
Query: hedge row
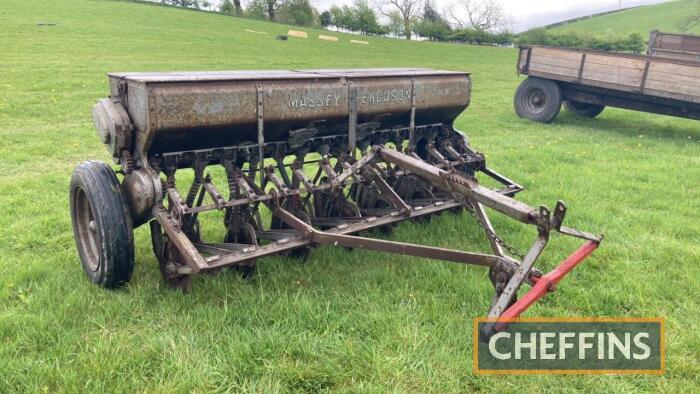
[632, 43]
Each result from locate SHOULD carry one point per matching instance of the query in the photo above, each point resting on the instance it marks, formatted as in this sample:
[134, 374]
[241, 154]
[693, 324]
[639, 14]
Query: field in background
[672, 17]
[344, 321]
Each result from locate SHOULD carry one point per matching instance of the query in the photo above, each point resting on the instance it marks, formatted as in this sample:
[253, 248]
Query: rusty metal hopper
[200, 110]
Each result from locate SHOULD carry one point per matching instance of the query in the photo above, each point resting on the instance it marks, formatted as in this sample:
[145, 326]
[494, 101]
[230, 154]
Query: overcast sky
[526, 13]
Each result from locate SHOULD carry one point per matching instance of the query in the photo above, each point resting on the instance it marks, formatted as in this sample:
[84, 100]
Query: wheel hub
[87, 230]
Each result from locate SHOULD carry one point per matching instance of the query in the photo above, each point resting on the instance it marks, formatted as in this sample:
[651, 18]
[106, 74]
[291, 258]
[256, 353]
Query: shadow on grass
[630, 126]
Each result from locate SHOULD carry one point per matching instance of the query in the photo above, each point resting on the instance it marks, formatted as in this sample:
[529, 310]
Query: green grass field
[669, 17]
[344, 321]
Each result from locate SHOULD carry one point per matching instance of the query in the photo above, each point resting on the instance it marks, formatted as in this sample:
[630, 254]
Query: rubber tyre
[583, 109]
[538, 99]
[101, 225]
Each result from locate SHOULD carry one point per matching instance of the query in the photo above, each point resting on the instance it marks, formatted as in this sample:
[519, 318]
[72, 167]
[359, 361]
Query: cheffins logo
[569, 346]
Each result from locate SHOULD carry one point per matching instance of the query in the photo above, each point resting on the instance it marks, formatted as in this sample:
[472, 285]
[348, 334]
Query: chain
[489, 233]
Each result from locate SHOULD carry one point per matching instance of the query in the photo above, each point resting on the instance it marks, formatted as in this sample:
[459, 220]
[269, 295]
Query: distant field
[344, 321]
[668, 17]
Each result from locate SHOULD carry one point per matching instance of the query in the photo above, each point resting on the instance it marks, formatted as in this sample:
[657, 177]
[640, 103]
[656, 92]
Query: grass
[672, 17]
[344, 321]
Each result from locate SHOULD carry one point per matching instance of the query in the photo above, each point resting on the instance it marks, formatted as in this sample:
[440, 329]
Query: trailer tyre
[538, 99]
[583, 109]
[101, 225]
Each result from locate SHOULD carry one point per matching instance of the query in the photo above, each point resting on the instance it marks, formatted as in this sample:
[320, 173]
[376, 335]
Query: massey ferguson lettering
[387, 96]
[334, 100]
[329, 100]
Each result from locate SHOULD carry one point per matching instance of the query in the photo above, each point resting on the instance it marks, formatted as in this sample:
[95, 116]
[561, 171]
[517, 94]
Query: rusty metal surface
[184, 111]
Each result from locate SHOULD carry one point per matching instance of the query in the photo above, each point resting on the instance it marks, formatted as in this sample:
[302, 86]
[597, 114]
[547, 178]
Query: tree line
[631, 43]
[478, 22]
[467, 20]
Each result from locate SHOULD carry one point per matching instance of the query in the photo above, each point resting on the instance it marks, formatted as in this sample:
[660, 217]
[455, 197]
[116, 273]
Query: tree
[481, 15]
[297, 12]
[264, 9]
[395, 24]
[341, 17]
[325, 19]
[408, 10]
[364, 19]
[432, 25]
[431, 13]
[272, 7]
[182, 3]
[228, 8]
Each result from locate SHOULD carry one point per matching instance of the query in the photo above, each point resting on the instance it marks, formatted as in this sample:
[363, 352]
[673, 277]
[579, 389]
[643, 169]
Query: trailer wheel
[101, 225]
[538, 99]
[583, 109]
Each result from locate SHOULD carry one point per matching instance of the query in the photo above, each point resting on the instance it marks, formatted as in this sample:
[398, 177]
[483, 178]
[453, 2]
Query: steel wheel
[169, 259]
[245, 235]
[303, 252]
[86, 229]
[535, 100]
[538, 99]
[583, 109]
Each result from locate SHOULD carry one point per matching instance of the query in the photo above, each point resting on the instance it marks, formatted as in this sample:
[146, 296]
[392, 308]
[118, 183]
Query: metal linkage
[393, 187]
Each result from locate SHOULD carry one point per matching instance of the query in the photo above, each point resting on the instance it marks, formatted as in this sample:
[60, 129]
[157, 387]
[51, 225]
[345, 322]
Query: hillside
[344, 321]
[674, 16]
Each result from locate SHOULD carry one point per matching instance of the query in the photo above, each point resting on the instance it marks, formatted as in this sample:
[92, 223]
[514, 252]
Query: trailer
[674, 46]
[310, 157]
[587, 81]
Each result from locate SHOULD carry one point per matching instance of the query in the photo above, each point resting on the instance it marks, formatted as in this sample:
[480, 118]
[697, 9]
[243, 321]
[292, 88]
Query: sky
[525, 14]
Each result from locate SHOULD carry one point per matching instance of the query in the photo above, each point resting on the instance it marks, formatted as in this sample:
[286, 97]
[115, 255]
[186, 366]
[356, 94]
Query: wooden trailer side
[673, 80]
[659, 77]
[674, 46]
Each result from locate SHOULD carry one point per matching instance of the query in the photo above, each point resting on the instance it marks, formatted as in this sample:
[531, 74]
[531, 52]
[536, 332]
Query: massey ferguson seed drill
[325, 155]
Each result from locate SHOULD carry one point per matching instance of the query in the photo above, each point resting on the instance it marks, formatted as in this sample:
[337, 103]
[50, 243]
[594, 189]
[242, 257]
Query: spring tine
[198, 167]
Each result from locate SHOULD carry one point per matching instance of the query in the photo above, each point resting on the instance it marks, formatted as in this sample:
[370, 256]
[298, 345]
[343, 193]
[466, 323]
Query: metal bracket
[642, 85]
[279, 184]
[580, 69]
[261, 128]
[387, 191]
[326, 167]
[298, 170]
[412, 121]
[506, 297]
[338, 180]
[527, 61]
[352, 119]
[214, 193]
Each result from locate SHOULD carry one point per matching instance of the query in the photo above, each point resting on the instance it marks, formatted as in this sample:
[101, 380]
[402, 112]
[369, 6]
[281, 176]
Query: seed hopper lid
[274, 75]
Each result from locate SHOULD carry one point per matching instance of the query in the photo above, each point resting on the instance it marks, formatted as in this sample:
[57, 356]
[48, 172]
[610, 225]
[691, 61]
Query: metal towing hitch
[324, 168]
